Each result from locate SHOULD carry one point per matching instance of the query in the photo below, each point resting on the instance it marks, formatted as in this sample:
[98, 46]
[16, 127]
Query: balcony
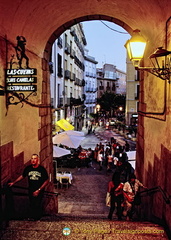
[79, 63]
[67, 74]
[79, 82]
[101, 87]
[72, 53]
[67, 48]
[74, 101]
[68, 101]
[73, 77]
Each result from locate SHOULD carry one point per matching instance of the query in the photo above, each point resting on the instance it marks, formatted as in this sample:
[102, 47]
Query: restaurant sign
[22, 88]
[21, 80]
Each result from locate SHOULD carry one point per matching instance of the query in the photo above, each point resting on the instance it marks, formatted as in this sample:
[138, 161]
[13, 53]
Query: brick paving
[82, 209]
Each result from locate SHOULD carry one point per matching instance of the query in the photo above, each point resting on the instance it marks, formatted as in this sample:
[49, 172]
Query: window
[59, 65]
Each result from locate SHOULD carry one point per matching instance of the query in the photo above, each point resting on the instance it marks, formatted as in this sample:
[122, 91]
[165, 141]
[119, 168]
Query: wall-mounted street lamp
[98, 107]
[120, 108]
[161, 63]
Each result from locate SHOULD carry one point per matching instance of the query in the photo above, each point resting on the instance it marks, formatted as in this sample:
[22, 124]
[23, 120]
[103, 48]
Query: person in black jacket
[115, 189]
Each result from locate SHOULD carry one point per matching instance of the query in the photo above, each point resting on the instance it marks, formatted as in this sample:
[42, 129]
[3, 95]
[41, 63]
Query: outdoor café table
[59, 176]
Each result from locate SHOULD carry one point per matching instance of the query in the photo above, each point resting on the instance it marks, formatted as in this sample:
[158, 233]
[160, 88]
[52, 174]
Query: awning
[59, 152]
[65, 125]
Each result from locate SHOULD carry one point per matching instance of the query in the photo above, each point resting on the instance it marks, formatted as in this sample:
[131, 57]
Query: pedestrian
[124, 167]
[96, 152]
[127, 146]
[130, 190]
[100, 158]
[37, 180]
[115, 189]
[109, 161]
[107, 150]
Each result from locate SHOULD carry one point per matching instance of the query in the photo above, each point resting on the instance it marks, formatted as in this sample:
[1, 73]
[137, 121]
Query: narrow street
[89, 186]
[104, 136]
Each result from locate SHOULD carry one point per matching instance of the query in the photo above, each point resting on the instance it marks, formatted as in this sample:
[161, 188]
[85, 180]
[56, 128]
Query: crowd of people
[112, 155]
[123, 189]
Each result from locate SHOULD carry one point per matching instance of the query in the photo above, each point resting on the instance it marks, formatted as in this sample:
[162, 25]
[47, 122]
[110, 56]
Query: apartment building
[90, 89]
[67, 76]
[121, 82]
[110, 79]
[56, 81]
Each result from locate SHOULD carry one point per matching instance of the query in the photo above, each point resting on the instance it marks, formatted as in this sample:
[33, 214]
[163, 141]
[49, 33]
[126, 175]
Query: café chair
[64, 182]
[57, 184]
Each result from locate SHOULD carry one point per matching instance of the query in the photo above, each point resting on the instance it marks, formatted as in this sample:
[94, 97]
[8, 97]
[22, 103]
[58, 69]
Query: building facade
[106, 79]
[121, 82]
[132, 94]
[56, 82]
[110, 79]
[90, 89]
[67, 77]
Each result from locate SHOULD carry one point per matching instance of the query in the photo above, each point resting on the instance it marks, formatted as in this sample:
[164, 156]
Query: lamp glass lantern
[136, 46]
[98, 107]
[161, 62]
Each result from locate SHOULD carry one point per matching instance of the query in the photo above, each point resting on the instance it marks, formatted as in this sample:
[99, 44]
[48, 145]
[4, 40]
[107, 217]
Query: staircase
[82, 215]
[87, 228]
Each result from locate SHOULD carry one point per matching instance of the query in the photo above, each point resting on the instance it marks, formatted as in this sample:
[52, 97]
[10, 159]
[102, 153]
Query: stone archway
[37, 21]
[67, 25]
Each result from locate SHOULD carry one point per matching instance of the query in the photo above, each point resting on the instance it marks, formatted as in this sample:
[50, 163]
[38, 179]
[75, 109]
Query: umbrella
[132, 158]
[131, 155]
[59, 152]
[74, 133]
[67, 140]
[64, 124]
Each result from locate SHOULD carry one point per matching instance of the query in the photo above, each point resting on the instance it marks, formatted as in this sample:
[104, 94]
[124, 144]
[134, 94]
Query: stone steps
[87, 228]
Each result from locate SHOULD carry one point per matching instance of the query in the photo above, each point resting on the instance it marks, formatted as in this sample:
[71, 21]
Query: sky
[106, 45]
